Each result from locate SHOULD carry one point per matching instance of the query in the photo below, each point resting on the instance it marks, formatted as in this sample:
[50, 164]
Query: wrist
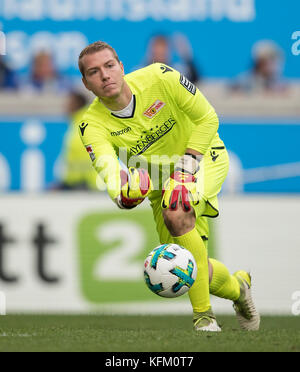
[189, 163]
[125, 203]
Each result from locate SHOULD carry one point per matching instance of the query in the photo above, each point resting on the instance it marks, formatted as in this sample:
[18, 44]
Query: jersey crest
[154, 109]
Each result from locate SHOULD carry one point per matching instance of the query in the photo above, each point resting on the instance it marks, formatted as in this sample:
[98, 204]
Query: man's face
[103, 74]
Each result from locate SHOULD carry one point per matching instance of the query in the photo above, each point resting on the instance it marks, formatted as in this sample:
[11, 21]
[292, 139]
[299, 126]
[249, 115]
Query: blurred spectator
[44, 77]
[265, 74]
[165, 50]
[8, 77]
[77, 171]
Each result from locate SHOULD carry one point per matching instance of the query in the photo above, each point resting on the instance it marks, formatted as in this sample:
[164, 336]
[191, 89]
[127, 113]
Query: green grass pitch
[104, 333]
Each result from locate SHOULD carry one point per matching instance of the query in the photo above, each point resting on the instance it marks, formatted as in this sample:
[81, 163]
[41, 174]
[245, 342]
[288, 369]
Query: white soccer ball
[170, 270]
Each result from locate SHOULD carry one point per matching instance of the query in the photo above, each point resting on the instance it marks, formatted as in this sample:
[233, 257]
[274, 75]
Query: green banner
[112, 248]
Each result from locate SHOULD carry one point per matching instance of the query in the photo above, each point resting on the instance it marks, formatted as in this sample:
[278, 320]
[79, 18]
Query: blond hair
[94, 48]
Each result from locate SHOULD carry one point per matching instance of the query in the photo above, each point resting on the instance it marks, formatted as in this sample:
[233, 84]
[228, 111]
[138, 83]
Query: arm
[187, 97]
[126, 187]
[182, 186]
[103, 156]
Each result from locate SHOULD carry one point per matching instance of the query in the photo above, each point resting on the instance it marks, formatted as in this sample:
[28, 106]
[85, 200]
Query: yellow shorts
[214, 169]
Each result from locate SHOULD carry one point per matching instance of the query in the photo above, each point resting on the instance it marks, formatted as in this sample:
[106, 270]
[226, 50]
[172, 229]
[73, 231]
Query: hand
[182, 188]
[136, 185]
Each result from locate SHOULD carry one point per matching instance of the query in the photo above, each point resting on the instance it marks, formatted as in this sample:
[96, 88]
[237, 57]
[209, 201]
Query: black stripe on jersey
[133, 111]
[206, 215]
[190, 87]
[218, 148]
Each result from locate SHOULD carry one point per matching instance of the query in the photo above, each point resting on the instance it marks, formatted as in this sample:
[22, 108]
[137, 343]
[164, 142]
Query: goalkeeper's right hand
[136, 185]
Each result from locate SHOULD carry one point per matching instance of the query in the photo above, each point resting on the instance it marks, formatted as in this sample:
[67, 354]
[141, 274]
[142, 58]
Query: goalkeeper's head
[101, 69]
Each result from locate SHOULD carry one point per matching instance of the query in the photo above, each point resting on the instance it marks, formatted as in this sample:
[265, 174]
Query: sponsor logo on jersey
[187, 84]
[165, 69]
[120, 132]
[154, 109]
[90, 151]
[151, 136]
[213, 155]
[83, 128]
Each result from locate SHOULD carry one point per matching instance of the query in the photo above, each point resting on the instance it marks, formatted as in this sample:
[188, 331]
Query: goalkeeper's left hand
[183, 185]
[136, 185]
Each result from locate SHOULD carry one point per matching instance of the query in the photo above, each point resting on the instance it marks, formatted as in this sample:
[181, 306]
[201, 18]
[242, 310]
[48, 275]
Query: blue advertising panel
[221, 32]
[30, 152]
[264, 155]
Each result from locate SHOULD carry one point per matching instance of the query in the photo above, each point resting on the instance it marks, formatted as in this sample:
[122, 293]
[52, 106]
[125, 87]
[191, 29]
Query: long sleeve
[192, 102]
[103, 156]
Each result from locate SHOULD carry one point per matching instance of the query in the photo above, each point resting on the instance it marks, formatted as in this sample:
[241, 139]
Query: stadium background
[71, 251]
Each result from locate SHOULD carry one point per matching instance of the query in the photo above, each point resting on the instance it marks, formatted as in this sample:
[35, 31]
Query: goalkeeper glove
[136, 185]
[183, 185]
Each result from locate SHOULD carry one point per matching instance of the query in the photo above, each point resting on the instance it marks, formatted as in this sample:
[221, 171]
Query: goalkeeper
[169, 134]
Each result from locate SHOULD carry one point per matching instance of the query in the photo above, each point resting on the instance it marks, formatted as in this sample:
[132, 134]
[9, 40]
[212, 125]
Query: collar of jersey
[133, 111]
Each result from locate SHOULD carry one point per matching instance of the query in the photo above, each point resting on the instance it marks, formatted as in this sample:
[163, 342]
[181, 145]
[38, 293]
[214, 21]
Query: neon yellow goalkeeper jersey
[170, 115]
